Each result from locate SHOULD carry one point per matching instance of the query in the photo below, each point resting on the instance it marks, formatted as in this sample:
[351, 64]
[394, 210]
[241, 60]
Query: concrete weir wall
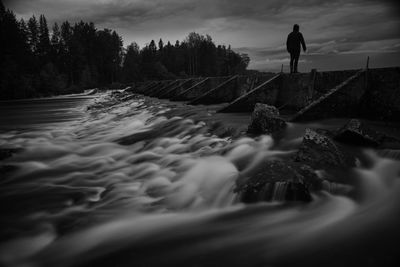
[383, 95]
[179, 88]
[369, 93]
[373, 94]
[266, 92]
[199, 88]
[231, 89]
[342, 100]
[299, 90]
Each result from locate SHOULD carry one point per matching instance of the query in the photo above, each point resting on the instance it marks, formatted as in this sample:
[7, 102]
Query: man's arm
[287, 44]
[303, 43]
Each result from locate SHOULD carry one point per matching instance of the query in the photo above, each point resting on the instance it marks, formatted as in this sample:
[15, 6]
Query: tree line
[71, 57]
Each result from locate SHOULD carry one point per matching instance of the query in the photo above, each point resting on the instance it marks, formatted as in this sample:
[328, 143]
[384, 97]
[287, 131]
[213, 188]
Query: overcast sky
[339, 34]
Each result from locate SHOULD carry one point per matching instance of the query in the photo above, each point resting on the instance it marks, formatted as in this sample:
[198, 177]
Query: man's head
[296, 27]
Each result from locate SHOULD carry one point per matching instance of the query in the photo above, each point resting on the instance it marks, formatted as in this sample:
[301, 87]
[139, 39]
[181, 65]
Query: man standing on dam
[294, 39]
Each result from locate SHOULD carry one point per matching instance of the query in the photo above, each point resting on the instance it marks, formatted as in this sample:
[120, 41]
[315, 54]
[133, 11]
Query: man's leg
[296, 61]
[291, 62]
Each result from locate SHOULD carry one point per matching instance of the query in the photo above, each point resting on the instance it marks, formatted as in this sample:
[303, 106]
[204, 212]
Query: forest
[38, 61]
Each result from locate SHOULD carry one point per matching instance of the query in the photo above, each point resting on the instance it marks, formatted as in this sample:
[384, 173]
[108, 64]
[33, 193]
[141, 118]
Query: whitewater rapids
[78, 196]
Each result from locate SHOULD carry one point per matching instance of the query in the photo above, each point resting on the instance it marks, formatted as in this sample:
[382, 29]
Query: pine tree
[14, 57]
[131, 65]
[56, 46]
[33, 36]
[56, 35]
[66, 33]
[152, 47]
[2, 9]
[44, 40]
[79, 56]
[160, 45]
[24, 31]
[65, 52]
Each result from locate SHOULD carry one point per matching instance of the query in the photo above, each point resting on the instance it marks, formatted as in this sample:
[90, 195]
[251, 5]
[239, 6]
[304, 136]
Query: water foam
[91, 199]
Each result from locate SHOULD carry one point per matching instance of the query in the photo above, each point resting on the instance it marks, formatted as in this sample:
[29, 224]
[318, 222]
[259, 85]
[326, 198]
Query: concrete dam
[365, 93]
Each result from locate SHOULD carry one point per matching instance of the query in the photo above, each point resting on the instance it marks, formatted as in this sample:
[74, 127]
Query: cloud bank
[339, 34]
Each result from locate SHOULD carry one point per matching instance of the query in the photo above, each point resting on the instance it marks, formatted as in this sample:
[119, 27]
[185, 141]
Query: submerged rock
[336, 188]
[320, 151]
[279, 181]
[265, 120]
[355, 132]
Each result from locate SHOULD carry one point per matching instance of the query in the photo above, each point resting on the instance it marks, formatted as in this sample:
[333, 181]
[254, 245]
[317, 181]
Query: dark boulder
[358, 133]
[265, 120]
[320, 151]
[279, 181]
[355, 132]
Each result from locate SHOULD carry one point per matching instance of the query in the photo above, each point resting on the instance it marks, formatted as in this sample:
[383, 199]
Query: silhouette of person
[294, 39]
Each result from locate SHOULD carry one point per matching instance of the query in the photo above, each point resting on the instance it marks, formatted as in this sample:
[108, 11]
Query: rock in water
[320, 151]
[357, 133]
[279, 181]
[265, 120]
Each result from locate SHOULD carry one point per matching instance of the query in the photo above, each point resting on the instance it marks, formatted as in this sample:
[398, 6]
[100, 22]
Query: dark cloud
[101, 11]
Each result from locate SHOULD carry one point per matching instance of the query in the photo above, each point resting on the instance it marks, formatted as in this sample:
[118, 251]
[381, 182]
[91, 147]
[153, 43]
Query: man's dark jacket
[293, 42]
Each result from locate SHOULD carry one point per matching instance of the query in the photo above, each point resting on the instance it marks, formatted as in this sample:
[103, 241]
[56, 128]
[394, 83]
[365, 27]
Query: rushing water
[137, 183]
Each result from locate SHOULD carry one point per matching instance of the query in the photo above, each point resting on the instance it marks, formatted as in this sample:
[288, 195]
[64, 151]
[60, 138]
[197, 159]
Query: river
[144, 182]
